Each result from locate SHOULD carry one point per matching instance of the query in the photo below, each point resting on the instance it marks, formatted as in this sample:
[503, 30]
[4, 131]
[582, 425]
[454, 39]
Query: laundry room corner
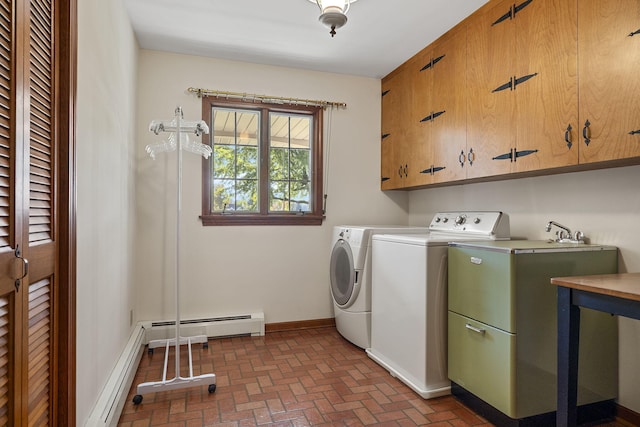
[229, 270]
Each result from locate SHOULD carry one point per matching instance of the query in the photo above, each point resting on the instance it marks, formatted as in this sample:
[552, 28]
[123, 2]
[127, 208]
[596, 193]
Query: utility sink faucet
[564, 234]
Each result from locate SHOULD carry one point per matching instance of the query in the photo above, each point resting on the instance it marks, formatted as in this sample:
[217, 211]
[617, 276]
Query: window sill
[273, 219]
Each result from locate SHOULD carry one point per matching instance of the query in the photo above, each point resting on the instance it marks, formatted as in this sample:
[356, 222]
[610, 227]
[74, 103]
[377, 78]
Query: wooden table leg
[568, 342]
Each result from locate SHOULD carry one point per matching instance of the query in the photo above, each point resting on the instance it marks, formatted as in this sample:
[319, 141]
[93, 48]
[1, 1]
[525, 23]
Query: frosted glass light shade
[333, 13]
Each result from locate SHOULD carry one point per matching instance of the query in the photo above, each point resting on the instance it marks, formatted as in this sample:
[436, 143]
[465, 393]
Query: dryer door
[343, 275]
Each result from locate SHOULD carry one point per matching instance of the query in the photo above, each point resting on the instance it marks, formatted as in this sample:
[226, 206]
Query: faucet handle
[578, 236]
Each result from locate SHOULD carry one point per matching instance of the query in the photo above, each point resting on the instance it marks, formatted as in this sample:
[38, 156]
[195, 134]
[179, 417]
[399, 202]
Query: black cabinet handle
[524, 153]
[433, 62]
[507, 85]
[461, 159]
[400, 171]
[635, 132]
[405, 171]
[521, 6]
[471, 157]
[523, 79]
[634, 33]
[585, 132]
[567, 136]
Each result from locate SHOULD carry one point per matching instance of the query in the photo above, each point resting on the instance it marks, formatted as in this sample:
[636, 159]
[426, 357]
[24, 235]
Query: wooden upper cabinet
[421, 114]
[396, 101]
[521, 86]
[609, 52]
[449, 103]
[424, 116]
[490, 109]
[547, 102]
[522, 74]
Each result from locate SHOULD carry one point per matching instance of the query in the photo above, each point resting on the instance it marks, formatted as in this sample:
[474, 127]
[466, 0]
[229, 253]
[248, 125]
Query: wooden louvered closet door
[28, 288]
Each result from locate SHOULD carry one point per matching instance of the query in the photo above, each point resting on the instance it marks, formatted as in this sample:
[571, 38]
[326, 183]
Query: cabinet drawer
[481, 286]
[482, 360]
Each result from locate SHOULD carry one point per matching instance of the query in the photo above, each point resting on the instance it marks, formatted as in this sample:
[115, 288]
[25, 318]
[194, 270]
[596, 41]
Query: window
[266, 166]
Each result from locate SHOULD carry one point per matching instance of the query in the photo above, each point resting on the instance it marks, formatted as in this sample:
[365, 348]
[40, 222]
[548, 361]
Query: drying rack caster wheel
[212, 388]
[137, 399]
[150, 352]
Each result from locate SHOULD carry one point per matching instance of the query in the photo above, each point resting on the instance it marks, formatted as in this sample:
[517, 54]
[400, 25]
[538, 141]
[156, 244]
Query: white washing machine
[409, 297]
[350, 274]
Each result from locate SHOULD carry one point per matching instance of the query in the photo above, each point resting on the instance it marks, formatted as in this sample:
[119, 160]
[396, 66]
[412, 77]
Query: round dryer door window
[342, 273]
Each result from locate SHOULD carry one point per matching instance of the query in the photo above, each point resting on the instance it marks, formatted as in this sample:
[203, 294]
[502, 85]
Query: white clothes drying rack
[178, 140]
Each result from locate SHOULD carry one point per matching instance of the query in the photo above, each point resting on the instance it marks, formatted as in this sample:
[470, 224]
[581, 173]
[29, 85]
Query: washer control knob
[476, 220]
[445, 219]
[460, 219]
[438, 219]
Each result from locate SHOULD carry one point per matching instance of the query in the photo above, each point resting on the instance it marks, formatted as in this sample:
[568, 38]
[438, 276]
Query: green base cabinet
[502, 342]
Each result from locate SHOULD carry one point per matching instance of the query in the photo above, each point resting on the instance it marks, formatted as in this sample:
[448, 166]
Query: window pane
[279, 196]
[247, 195]
[223, 195]
[224, 160]
[279, 164]
[300, 164]
[247, 163]
[300, 196]
[290, 162]
[235, 163]
[247, 123]
[235, 195]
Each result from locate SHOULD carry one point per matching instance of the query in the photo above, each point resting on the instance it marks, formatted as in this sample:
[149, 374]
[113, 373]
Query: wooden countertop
[624, 285]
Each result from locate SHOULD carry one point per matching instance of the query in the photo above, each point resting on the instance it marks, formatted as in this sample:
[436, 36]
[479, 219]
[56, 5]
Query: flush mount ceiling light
[333, 13]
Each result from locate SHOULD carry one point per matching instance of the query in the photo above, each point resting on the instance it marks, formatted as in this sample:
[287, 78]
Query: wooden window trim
[315, 217]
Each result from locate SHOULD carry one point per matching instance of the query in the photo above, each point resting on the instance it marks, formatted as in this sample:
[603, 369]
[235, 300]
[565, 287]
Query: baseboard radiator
[222, 326]
[114, 394]
[107, 411]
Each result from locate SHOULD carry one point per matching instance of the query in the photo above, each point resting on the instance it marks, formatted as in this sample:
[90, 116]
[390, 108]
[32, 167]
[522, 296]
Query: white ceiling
[379, 34]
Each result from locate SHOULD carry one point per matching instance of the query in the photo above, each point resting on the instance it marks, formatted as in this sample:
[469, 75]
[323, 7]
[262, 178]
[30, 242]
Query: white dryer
[350, 274]
[409, 297]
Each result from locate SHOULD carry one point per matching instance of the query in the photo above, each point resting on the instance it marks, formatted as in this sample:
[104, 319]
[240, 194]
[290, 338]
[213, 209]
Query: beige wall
[106, 98]
[282, 271]
[604, 204]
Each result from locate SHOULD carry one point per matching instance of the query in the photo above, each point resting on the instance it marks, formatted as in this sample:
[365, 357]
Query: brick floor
[309, 377]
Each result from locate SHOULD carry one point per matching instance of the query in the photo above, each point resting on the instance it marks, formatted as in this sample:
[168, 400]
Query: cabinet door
[482, 359]
[421, 117]
[609, 54]
[396, 96]
[491, 111]
[546, 93]
[449, 130]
